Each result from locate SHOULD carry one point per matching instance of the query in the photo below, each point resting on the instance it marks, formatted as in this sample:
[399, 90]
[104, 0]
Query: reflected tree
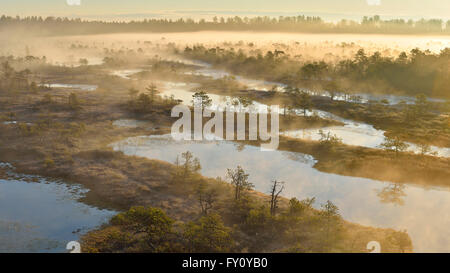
[393, 193]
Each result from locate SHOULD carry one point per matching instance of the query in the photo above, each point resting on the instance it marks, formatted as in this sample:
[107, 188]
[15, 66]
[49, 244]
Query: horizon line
[181, 14]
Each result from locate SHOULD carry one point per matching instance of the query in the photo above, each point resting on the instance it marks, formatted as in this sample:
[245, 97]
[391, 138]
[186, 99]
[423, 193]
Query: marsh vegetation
[364, 134]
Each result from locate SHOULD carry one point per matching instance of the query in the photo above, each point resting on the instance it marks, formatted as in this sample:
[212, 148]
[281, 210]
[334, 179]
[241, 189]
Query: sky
[134, 9]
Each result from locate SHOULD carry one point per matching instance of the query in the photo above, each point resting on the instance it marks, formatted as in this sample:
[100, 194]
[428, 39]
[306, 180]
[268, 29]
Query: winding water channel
[423, 212]
[41, 215]
[352, 133]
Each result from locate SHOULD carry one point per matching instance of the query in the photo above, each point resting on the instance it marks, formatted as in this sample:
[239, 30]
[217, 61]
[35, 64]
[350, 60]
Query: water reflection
[360, 134]
[82, 87]
[132, 123]
[251, 84]
[366, 98]
[43, 216]
[393, 193]
[126, 73]
[182, 91]
[352, 133]
[424, 212]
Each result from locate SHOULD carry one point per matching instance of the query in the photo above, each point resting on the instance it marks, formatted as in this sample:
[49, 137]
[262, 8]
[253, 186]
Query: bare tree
[276, 189]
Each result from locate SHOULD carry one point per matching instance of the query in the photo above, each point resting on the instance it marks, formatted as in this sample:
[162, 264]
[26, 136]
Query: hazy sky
[185, 8]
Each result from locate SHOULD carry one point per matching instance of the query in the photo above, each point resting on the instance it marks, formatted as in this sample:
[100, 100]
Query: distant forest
[306, 24]
[419, 72]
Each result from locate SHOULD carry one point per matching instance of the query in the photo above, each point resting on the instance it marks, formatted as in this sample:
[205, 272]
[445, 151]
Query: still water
[126, 73]
[423, 212]
[80, 87]
[43, 216]
[351, 133]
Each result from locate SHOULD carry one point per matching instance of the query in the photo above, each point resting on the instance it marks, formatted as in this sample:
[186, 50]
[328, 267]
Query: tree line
[410, 73]
[300, 23]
